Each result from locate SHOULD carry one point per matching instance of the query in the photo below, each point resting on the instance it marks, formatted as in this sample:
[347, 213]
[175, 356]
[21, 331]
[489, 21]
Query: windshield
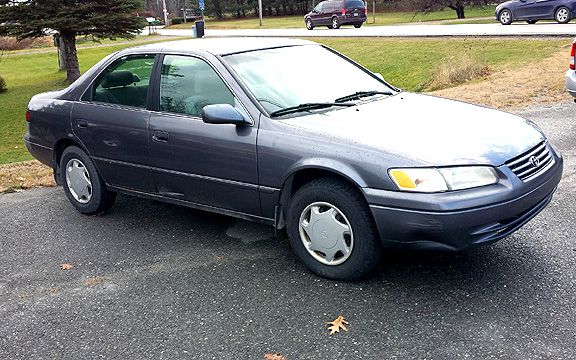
[289, 76]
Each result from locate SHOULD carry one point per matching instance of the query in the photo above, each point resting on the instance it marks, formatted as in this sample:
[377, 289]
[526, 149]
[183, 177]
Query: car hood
[427, 129]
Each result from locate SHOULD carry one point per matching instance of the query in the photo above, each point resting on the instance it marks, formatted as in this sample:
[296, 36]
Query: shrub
[177, 21]
[3, 86]
[457, 70]
[10, 43]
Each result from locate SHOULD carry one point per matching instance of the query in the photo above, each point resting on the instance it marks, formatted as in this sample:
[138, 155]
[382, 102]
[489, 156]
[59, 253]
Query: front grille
[532, 163]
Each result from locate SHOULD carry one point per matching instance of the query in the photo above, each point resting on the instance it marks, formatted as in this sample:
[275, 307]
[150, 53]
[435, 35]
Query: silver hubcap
[562, 15]
[78, 181]
[309, 24]
[334, 23]
[326, 233]
[505, 16]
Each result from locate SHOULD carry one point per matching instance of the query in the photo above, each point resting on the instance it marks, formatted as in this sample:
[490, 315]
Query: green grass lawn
[406, 63]
[287, 22]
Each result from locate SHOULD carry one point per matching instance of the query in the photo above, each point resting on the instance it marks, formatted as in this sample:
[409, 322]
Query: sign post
[260, 11]
[202, 6]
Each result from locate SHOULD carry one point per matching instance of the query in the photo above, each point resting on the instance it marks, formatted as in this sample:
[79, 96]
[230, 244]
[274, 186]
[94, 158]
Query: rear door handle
[160, 136]
[81, 124]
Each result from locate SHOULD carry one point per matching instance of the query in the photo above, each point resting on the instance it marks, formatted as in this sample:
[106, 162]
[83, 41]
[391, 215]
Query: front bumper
[570, 78]
[461, 219]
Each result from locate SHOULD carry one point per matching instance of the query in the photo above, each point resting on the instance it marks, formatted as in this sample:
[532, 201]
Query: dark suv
[334, 13]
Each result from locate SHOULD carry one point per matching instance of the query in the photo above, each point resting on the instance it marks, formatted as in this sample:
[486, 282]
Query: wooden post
[260, 11]
[373, 11]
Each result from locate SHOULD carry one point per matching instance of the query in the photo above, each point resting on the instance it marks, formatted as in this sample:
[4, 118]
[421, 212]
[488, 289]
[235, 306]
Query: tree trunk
[459, 8]
[70, 55]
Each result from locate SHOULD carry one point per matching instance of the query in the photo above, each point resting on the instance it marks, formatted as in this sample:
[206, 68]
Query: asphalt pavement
[404, 30]
[152, 280]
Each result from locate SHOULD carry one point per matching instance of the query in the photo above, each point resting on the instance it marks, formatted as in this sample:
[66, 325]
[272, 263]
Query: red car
[335, 13]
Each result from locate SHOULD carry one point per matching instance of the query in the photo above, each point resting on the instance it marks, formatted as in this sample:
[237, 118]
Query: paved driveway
[158, 281]
[418, 30]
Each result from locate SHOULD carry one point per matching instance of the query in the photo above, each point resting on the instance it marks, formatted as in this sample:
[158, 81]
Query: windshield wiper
[361, 94]
[306, 107]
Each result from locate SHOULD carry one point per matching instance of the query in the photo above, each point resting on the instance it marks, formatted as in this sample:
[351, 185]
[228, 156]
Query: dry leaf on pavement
[336, 325]
[276, 356]
[66, 266]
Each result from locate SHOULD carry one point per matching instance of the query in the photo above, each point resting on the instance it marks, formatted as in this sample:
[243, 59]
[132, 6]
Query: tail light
[573, 56]
[343, 12]
[366, 11]
[28, 115]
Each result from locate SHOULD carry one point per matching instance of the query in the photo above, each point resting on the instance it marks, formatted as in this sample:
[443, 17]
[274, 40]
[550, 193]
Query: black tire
[562, 15]
[505, 17]
[358, 26]
[531, 22]
[101, 199]
[309, 24]
[335, 23]
[367, 247]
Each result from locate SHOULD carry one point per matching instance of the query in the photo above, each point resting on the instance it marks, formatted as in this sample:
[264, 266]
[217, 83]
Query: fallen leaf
[66, 266]
[336, 325]
[275, 356]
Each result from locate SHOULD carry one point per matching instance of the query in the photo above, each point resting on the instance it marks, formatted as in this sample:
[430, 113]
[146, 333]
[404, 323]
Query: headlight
[443, 179]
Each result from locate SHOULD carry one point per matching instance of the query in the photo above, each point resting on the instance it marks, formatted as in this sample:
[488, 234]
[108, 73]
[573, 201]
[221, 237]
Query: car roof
[221, 46]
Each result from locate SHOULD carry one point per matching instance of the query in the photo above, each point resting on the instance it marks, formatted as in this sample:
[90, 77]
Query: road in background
[152, 280]
[419, 30]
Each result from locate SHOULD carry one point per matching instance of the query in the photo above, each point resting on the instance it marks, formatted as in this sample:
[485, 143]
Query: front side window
[188, 84]
[125, 82]
[318, 7]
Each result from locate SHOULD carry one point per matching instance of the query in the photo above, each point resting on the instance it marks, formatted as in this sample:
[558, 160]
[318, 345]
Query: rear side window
[188, 84]
[353, 4]
[125, 82]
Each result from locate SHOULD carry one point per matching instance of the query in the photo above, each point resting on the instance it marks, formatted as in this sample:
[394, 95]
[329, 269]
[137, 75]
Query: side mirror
[315, 11]
[379, 76]
[223, 114]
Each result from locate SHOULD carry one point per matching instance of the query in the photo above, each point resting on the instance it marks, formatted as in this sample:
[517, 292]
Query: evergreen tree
[71, 18]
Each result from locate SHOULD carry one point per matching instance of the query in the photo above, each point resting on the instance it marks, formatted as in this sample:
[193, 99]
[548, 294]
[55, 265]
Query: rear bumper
[39, 152]
[347, 19]
[462, 226]
[570, 78]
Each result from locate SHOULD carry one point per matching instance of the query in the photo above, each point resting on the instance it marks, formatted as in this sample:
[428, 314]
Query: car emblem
[534, 161]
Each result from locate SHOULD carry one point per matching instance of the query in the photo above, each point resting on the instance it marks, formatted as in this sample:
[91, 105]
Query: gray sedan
[293, 134]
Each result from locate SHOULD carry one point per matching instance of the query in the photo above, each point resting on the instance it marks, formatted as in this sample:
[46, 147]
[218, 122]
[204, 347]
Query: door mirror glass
[223, 114]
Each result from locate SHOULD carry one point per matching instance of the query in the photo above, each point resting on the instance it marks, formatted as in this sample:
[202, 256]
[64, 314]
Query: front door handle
[81, 124]
[160, 136]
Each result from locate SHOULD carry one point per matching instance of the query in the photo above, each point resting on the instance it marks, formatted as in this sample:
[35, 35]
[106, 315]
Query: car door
[209, 164]
[111, 121]
[544, 8]
[316, 15]
[525, 9]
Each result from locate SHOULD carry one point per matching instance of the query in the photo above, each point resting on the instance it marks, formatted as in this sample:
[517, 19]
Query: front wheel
[83, 186]
[505, 17]
[335, 23]
[332, 231]
[357, 26]
[309, 24]
[562, 15]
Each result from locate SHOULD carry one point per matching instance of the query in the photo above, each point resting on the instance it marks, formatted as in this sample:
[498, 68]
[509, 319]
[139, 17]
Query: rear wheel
[505, 17]
[531, 22]
[562, 15]
[309, 24]
[335, 23]
[357, 26]
[83, 186]
[332, 231]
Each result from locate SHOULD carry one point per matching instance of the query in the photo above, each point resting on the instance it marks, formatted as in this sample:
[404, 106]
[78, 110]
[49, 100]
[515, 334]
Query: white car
[571, 74]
